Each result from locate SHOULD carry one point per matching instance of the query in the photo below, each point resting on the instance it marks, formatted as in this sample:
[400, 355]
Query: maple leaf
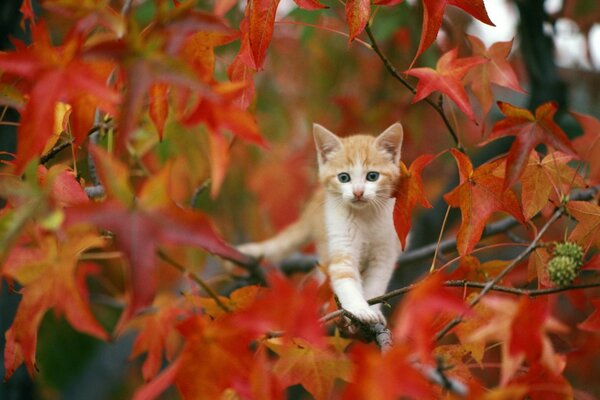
[357, 16]
[282, 306]
[314, 368]
[55, 73]
[158, 334]
[530, 130]
[421, 310]
[479, 194]
[446, 78]
[409, 193]
[541, 176]
[521, 327]
[433, 14]
[589, 143]
[386, 376]
[142, 226]
[216, 356]
[588, 228]
[495, 70]
[52, 279]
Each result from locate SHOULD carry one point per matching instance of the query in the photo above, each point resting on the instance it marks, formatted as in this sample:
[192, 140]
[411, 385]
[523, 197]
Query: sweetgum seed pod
[562, 270]
[569, 249]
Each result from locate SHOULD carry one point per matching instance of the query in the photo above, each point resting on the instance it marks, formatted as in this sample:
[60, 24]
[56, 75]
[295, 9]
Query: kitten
[349, 218]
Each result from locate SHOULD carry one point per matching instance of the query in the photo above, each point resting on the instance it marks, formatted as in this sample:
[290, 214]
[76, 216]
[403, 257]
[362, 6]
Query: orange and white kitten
[349, 218]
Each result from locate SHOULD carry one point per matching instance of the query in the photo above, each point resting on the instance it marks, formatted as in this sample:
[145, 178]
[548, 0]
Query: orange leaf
[588, 145]
[540, 176]
[159, 106]
[314, 368]
[587, 231]
[447, 79]
[521, 326]
[48, 271]
[433, 14]
[409, 193]
[479, 194]
[530, 131]
[260, 15]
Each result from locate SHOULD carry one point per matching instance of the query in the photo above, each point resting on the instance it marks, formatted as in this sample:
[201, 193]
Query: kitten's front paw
[255, 250]
[365, 314]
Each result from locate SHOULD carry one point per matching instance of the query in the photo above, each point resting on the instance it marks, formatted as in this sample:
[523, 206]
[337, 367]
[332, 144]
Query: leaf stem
[394, 72]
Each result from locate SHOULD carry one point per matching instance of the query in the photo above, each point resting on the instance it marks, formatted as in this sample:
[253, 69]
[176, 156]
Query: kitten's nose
[358, 193]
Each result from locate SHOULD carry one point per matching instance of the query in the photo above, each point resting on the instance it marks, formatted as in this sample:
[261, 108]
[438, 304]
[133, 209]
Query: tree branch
[438, 107]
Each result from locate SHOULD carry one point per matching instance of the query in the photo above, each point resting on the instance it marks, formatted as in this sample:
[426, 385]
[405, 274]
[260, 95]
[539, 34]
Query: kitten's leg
[378, 274]
[347, 286]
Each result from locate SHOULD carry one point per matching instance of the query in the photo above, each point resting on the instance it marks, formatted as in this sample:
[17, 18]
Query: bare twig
[394, 72]
[195, 277]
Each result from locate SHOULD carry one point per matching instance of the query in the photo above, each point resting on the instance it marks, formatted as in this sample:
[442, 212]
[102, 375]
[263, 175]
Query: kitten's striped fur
[350, 222]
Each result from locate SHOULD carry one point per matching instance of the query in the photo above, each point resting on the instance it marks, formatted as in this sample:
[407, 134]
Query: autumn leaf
[542, 383]
[522, 328]
[386, 376]
[420, 314]
[51, 277]
[260, 17]
[409, 193]
[65, 191]
[592, 322]
[141, 227]
[53, 74]
[238, 71]
[541, 176]
[588, 144]
[447, 79]
[357, 16]
[479, 195]
[158, 106]
[587, 230]
[433, 14]
[537, 267]
[314, 368]
[530, 130]
[495, 69]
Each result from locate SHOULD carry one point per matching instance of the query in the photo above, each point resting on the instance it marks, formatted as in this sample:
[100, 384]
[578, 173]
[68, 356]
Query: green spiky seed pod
[569, 249]
[562, 270]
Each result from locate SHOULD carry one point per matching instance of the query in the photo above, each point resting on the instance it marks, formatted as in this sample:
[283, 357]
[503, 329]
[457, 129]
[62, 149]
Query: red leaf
[587, 214]
[54, 73]
[310, 4]
[238, 71]
[446, 78]
[159, 106]
[530, 131]
[421, 310]
[592, 322]
[357, 16]
[433, 14]
[260, 16]
[589, 144]
[409, 193]
[388, 376]
[495, 70]
[479, 194]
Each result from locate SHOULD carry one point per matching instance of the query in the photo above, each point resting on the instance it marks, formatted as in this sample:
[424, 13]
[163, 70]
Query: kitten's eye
[372, 176]
[344, 177]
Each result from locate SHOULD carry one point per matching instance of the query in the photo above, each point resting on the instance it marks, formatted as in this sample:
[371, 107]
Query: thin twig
[490, 284]
[394, 72]
[195, 277]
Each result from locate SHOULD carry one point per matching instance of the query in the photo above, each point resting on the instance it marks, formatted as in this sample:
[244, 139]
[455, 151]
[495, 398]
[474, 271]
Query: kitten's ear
[390, 141]
[326, 142]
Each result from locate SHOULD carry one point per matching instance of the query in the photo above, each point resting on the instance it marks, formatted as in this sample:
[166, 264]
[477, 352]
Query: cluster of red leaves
[260, 341]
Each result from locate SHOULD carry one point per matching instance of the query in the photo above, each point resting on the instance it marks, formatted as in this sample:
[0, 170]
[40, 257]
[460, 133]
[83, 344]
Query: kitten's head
[362, 170]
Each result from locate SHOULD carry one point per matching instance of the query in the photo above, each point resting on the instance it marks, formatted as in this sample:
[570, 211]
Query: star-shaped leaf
[447, 79]
[479, 195]
[433, 14]
[51, 278]
[530, 130]
[409, 193]
[588, 144]
[587, 231]
[495, 70]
